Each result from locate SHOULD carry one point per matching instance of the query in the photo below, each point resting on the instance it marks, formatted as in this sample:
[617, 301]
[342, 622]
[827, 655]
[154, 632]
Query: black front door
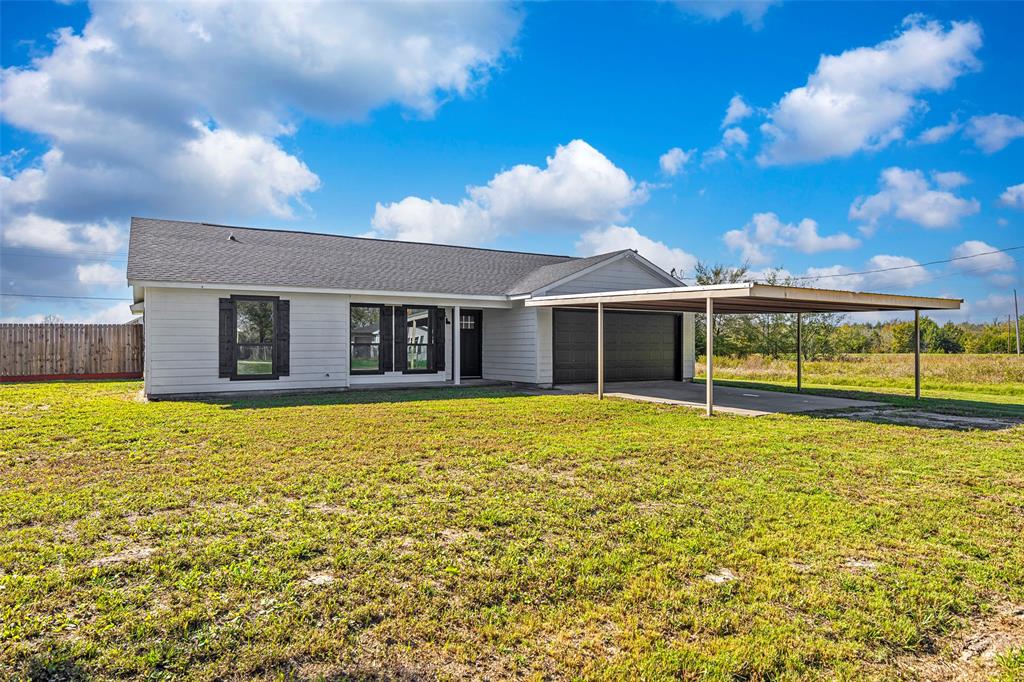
[470, 353]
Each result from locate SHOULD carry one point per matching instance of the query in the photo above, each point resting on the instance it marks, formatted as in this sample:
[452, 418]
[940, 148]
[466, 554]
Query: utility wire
[79, 298]
[70, 253]
[915, 265]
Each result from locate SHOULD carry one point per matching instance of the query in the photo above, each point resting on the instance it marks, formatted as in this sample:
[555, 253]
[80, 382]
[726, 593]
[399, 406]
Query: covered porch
[744, 298]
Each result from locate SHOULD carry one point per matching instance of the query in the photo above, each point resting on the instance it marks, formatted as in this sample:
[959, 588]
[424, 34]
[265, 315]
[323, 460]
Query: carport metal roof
[740, 298]
[746, 297]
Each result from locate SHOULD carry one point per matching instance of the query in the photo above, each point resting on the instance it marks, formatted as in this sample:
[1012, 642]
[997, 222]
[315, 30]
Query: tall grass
[989, 373]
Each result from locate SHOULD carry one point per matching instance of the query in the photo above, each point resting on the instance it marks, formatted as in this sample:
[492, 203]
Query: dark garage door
[637, 346]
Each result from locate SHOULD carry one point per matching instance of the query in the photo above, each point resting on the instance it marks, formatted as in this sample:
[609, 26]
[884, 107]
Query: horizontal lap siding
[510, 338]
[621, 275]
[182, 333]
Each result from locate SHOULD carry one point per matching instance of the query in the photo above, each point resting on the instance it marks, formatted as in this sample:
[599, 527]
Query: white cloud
[712, 156]
[907, 276]
[185, 109]
[674, 160]
[900, 273]
[615, 238]
[416, 219]
[1013, 196]
[737, 111]
[735, 137]
[578, 189]
[38, 232]
[950, 179]
[751, 11]
[907, 194]
[993, 132]
[160, 106]
[756, 239]
[101, 274]
[995, 267]
[940, 133]
[862, 99]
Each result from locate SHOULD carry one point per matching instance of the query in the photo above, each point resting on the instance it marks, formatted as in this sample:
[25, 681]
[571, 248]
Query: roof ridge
[369, 239]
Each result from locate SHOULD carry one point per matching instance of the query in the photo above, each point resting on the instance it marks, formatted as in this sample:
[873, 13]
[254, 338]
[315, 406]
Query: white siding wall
[622, 274]
[510, 341]
[545, 349]
[182, 334]
[688, 347]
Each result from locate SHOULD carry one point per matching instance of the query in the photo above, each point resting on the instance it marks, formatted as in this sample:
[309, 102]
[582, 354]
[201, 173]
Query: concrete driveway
[728, 399]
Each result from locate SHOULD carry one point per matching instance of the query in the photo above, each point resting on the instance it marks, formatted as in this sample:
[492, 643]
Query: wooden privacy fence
[70, 351]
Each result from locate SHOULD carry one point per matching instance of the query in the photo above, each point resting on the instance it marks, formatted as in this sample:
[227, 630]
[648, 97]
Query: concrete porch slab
[728, 399]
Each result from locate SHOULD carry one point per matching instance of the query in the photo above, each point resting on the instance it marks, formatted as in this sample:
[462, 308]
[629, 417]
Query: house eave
[366, 293]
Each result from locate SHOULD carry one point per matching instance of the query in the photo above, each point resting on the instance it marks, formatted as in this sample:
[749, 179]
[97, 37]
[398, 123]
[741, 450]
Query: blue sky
[861, 136]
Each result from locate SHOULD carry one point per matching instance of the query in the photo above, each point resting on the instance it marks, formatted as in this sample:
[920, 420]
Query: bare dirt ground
[974, 653]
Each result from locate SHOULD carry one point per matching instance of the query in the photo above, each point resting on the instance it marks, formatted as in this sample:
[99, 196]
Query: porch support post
[799, 353]
[917, 354]
[709, 383]
[600, 351]
[457, 345]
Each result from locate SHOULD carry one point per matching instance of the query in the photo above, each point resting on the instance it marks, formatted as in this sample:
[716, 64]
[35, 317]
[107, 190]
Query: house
[231, 309]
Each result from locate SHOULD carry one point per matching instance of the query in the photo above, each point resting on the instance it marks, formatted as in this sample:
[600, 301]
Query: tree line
[829, 335]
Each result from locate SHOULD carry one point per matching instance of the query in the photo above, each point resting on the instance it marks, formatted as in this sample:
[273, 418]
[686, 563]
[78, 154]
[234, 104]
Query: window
[419, 340]
[366, 343]
[467, 322]
[254, 337]
[254, 341]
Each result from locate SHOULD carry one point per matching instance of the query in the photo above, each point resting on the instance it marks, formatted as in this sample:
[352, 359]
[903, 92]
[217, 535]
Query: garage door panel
[638, 346]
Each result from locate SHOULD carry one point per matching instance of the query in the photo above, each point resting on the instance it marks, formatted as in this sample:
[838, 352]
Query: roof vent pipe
[231, 238]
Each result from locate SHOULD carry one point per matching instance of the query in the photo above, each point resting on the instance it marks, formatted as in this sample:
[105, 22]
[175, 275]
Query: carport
[744, 298]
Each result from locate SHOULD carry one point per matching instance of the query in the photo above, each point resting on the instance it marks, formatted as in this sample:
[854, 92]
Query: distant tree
[53, 318]
[732, 332]
[949, 338]
[902, 337]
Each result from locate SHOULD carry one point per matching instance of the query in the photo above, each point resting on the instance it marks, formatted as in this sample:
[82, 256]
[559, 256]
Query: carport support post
[456, 345]
[600, 351]
[709, 383]
[799, 353]
[917, 354]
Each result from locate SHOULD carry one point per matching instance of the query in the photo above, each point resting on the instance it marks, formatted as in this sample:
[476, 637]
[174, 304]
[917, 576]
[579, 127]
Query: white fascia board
[362, 294]
[713, 288]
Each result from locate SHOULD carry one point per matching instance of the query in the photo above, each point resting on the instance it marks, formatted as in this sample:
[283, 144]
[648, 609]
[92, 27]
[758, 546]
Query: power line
[72, 253]
[915, 265]
[69, 257]
[79, 298]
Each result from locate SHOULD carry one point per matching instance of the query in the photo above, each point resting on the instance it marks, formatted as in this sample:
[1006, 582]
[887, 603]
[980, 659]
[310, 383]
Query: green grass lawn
[481, 534]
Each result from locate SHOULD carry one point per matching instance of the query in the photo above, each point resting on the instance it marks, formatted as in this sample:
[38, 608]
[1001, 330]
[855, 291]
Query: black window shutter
[387, 338]
[401, 340]
[226, 343]
[282, 339]
[438, 332]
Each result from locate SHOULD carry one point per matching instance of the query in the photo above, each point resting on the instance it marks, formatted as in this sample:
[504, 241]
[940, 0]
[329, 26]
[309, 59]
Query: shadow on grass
[951, 406]
[366, 397]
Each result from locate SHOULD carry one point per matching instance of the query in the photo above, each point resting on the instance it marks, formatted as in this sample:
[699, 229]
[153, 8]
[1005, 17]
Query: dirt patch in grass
[975, 652]
[932, 420]
[129, 555]
[318, 579]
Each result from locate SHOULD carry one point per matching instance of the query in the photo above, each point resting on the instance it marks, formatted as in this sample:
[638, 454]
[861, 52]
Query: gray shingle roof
[176, 251]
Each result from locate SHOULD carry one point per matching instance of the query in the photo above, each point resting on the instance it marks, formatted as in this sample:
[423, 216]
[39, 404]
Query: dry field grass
[1000, 376]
